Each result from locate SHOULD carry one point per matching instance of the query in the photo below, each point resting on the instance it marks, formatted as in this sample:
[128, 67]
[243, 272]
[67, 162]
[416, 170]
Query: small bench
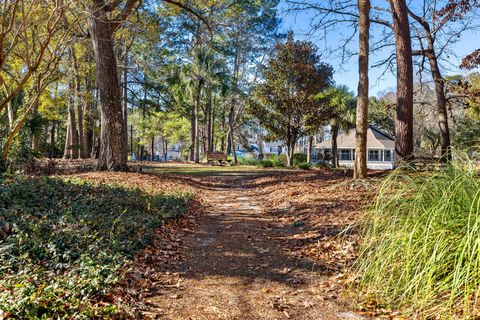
[219, 157]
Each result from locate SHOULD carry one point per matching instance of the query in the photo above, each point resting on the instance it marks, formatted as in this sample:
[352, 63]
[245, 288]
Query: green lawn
[203, 170]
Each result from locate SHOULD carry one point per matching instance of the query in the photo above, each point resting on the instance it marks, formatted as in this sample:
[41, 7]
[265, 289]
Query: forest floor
[265, 244]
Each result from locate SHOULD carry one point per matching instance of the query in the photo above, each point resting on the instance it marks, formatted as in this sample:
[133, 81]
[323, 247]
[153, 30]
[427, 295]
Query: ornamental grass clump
[421, 250]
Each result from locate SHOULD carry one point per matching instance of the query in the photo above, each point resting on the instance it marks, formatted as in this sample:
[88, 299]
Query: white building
[380, 149]
[273, 147]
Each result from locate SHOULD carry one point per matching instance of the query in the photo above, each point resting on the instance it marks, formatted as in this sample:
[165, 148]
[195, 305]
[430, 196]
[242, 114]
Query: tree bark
[113, 153]
[208, 114]
[153, 149]
[125, 98]
[360, 169]
[52, 140]
[71, 140]
[11, 115]
[197, 122]
[446, 153]
[36, 141]
[404, 118]
[334, 146]
[231, 139]
[309, 149]
[290, 152]
[231, 116]
[191, 157]
[80, 147]
[89, 122]
[165, 149]
[212, 129]
[431, 55]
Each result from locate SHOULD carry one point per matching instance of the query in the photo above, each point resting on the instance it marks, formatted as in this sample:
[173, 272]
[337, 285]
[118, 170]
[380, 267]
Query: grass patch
[198, 170]
[247, 161]
[304, 166]
[422, 245]
[63, 243]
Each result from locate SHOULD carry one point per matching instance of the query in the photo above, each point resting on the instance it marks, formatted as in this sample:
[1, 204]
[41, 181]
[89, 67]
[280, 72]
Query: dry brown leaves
[324, 208]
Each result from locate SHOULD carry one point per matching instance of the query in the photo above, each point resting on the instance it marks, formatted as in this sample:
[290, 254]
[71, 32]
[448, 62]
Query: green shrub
[265, 164]
[322, 164]
[278, 161]
[421, 247]
[299, 158]
[304, 166]
[247, 161]
[64, 242]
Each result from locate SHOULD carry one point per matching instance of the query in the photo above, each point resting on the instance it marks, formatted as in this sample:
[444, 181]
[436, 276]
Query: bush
[278, 161]
[421, 246]
[322, 164]
[266, 164]
[63, 243]
[304, 166]
[247, 161]
[299, 158]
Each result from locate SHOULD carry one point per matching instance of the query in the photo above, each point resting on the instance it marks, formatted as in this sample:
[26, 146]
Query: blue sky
[347, 73]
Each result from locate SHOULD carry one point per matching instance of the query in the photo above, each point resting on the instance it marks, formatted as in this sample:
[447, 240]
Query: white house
[380, 149]
[274, 146]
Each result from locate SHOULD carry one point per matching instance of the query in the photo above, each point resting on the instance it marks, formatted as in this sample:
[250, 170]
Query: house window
[374, 155]
[387, 155]
[344, 155]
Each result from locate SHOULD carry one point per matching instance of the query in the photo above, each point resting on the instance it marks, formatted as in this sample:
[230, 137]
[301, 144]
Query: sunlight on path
[237, 268]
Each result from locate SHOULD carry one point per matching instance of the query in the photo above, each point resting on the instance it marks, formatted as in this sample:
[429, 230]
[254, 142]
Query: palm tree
[202, 72]
[342, 101]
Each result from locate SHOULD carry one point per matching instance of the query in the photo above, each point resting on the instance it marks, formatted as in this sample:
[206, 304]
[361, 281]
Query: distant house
[380, 149]
[274, 147]
[173, 152]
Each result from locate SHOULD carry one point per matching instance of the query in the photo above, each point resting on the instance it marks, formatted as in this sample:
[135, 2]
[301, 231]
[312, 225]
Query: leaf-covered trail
[236, 266]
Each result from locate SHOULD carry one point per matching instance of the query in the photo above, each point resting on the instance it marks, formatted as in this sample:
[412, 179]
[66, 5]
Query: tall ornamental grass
[421, 247]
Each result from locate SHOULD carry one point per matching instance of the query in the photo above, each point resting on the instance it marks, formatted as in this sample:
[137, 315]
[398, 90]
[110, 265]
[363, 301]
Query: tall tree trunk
[208, 115]
[403, 46]
[113, 154]
[153, 149]
[334, 146]
[131, 140]
[446, 153]
[231, 140]
[290, 151]
[165, 149]
[80, 148]
[52, 140]
[231, 116]
[45, 137]
[309, 149]
[11, 115]
[191, 157]
[71, 141]
[197, 122]
[125, 98]
[212, 128]
[36, 141]
[360, 169]
[431, 55]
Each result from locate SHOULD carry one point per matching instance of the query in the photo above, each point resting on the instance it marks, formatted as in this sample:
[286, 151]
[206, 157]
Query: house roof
[375, 139]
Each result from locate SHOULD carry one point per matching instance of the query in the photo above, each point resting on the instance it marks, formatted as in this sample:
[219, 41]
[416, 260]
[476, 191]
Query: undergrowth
[421, 250]
[64, 242]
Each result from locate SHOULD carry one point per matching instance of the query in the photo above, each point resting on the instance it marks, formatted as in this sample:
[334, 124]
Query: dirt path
[236, 267]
